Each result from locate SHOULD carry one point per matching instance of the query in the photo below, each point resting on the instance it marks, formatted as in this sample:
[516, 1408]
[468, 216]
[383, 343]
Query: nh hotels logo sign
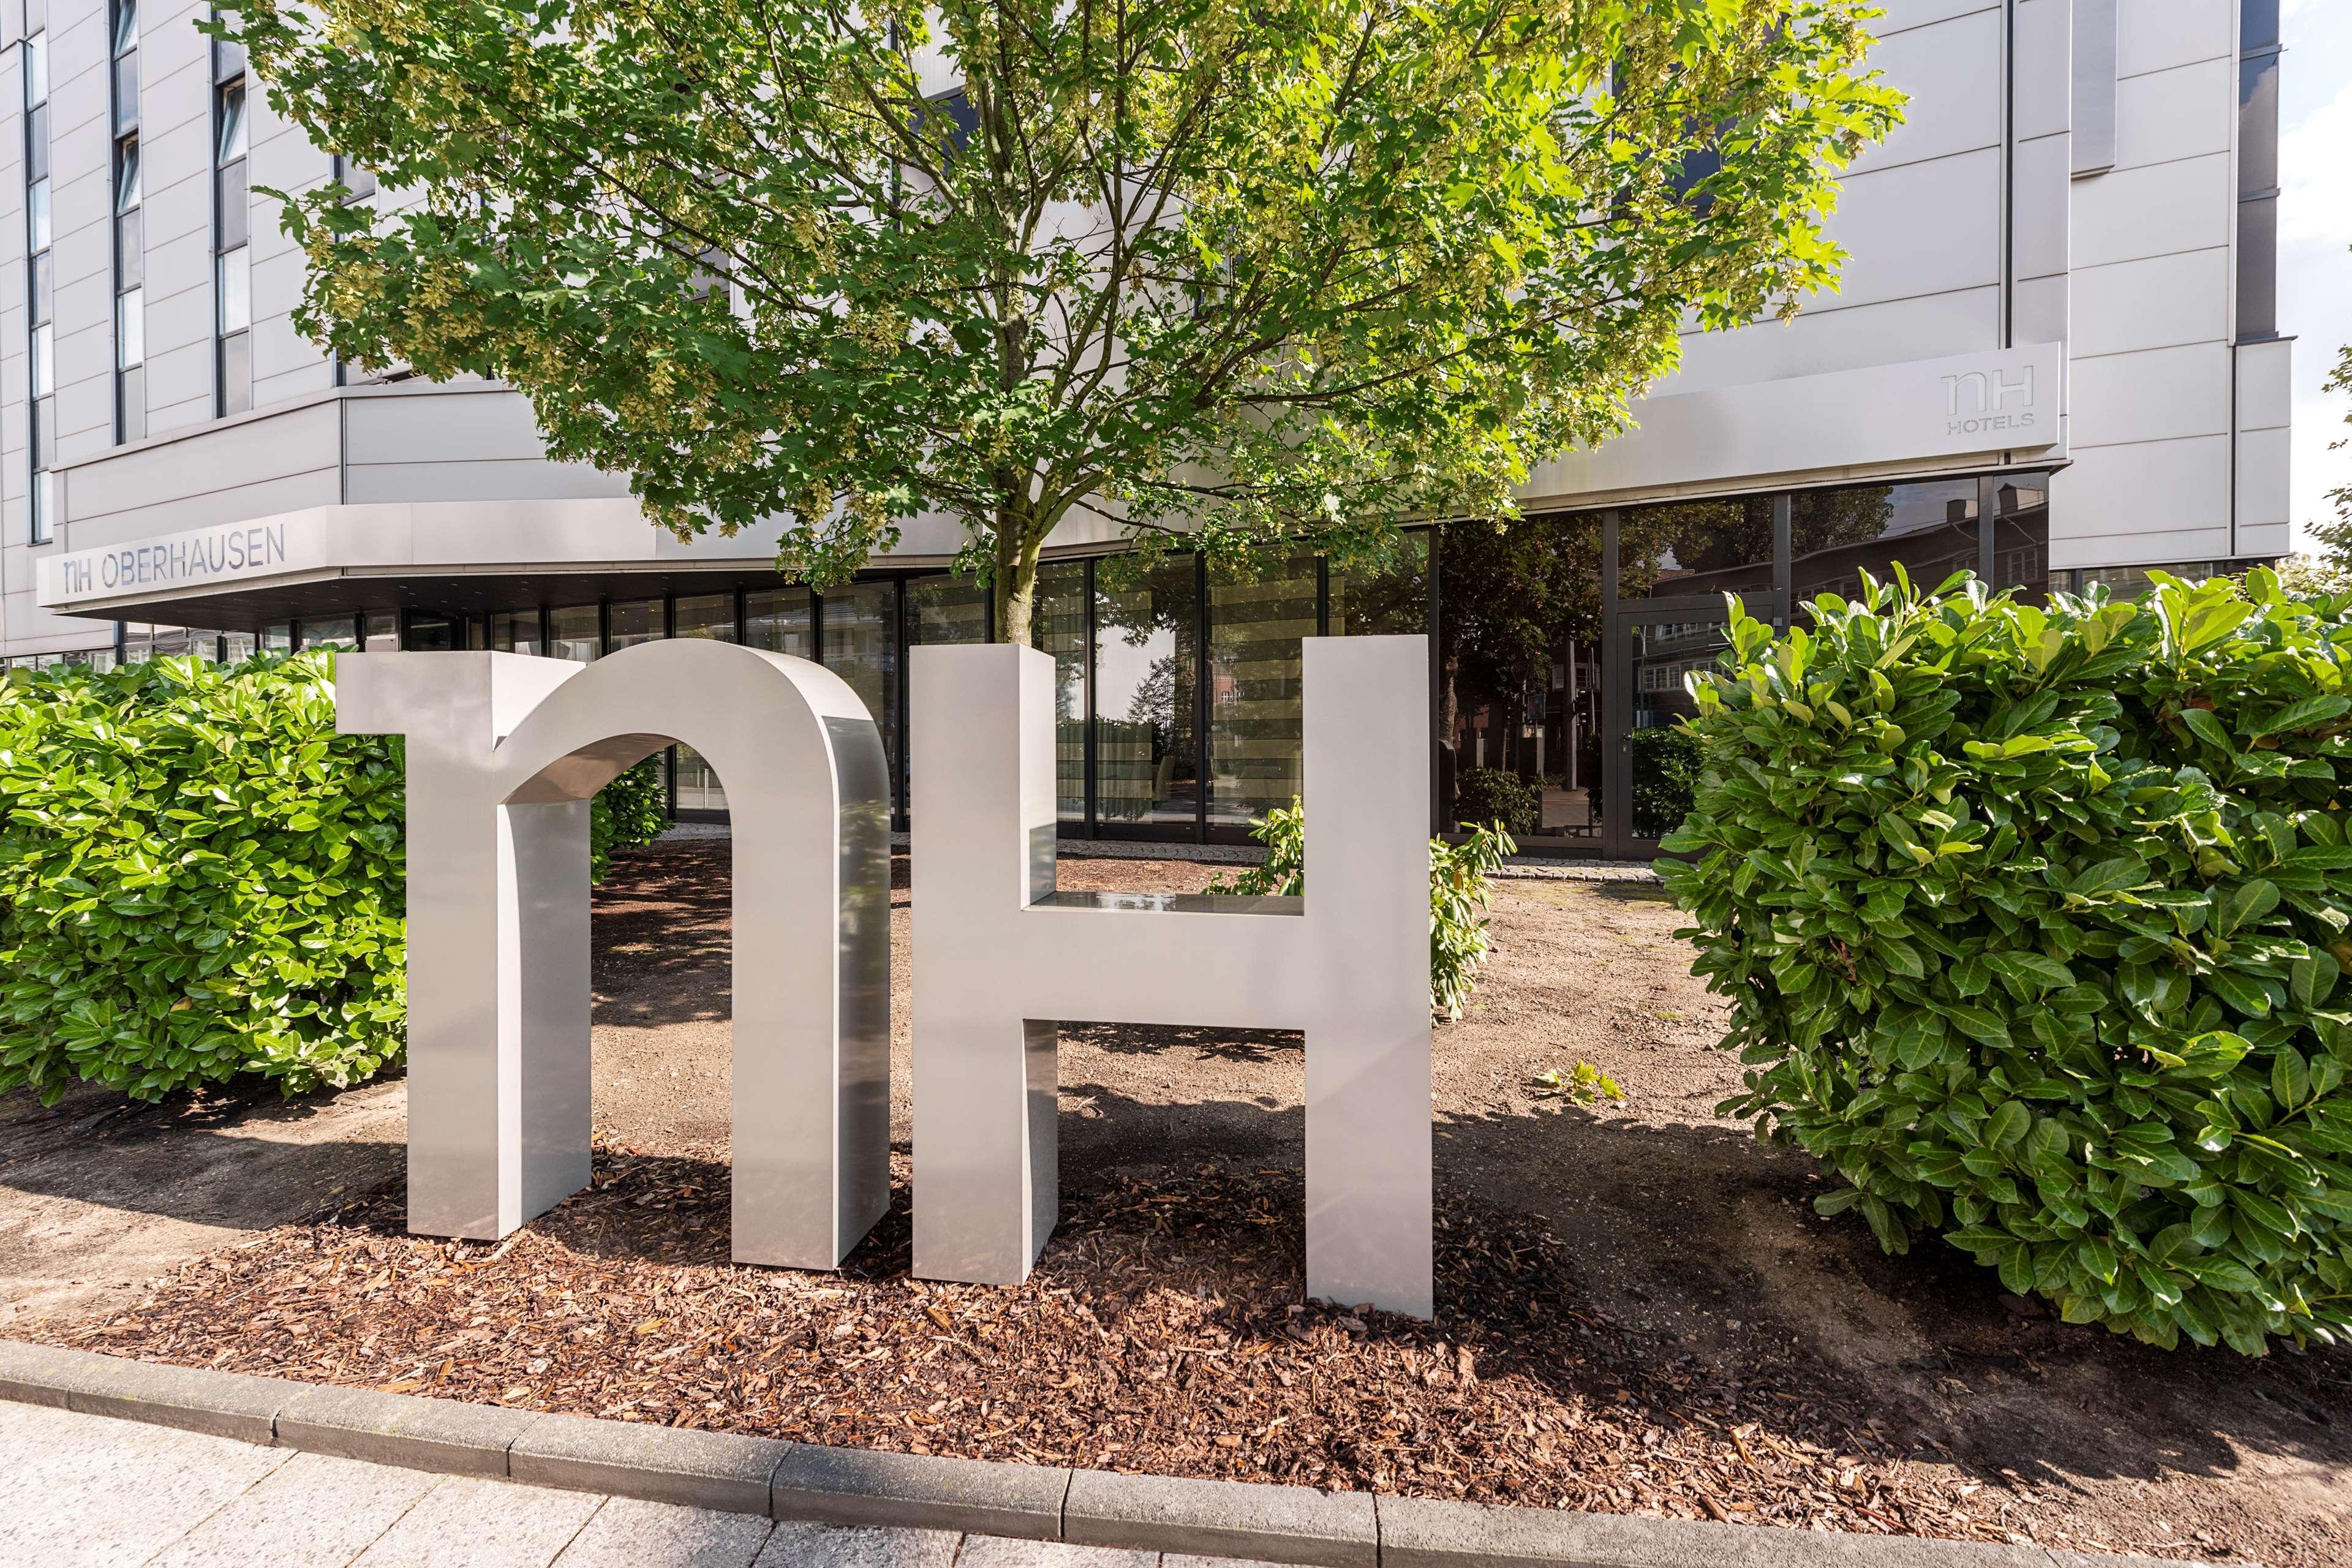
[505, 752]
[1989, 402]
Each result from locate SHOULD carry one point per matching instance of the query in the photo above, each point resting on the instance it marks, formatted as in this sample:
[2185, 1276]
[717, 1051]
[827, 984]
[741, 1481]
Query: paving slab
[314, 1508]
[1224, 1519]
[470, 1521]
[399, 1429]
[798, 1544]
[855, 1486]
[998, 1552]
[659, 1464]
[630, 1532]
[75, 1490]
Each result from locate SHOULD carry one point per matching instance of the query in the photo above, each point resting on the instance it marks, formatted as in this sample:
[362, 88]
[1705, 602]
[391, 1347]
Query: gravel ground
[1639, 1310]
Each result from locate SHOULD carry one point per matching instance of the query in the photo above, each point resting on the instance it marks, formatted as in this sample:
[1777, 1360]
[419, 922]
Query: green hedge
[200, 879]
[2032, 924]
[1497, 795]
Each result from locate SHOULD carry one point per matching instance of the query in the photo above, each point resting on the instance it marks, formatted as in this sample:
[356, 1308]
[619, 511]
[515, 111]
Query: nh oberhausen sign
[505, 752]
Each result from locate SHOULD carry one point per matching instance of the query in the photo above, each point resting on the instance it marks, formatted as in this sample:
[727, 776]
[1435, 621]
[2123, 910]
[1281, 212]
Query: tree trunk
[1013, 581]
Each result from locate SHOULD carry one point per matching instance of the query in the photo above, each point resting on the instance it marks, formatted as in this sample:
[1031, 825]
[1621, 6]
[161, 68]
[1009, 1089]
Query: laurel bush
[1665, 778]
[1498, 794]
[1460, 887]
[2033, 922]
[201, 880]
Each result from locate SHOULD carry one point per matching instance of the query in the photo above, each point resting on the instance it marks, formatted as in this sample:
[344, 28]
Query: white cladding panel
[2153, 396]
[2160, 301]
[1952, 71]
[2155, 35]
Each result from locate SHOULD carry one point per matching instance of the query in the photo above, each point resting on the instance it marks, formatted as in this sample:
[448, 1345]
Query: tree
[1248, 276]
[2330, 571]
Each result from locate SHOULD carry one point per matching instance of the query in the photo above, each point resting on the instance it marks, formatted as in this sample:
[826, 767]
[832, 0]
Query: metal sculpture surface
[504, 753]
[1000, 955]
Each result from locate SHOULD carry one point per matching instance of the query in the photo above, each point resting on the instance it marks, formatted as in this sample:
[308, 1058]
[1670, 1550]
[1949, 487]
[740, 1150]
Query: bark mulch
[1163, 1330]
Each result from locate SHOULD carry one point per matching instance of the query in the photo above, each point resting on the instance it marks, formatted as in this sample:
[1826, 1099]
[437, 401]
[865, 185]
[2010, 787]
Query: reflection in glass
[574, 633]
[330, 631]
[1146, 673]
[777, 620]
[382, 630]
[1058, 626]
[633, 621]
[706, 615]
[946, 609]
[515, 631]
[426, 634]
[1256, 624]
[861, 646]
[1834, 536]
[2020, 537]
[1681, 548]
[1663, 656]
[1392, 600]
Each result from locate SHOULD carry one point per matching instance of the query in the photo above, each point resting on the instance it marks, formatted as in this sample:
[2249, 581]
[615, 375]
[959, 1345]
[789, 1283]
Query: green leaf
[2008, 1124]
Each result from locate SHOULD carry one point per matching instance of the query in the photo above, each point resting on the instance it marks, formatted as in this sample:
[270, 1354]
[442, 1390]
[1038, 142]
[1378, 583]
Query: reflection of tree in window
[1837, 535]
[1722, 546]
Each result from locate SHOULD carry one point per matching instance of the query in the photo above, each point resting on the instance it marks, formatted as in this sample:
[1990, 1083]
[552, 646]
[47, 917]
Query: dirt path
[1698, 1245]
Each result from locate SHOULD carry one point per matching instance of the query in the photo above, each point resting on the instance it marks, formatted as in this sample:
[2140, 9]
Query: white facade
[2045, 274]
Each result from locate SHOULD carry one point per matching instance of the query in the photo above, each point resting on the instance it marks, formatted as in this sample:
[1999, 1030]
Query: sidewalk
[90, 1491]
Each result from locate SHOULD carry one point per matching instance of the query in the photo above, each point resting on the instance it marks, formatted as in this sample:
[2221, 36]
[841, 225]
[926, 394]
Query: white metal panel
[2044, 69]
[2265, 384]
[182, 317]
[2042, 177]
[1952, 72]
[1920, 229]
[181, 209]
[2171, 114]
[2148, 502]
[2038, 309]
[2152, 395]
[1847, 338]
[511, 478]
[2266, 462]
[1903, 15]
[248, 452]
[2157, 35]
[2159, 301]
[202, 509]
[455, 425]
[2152, 211]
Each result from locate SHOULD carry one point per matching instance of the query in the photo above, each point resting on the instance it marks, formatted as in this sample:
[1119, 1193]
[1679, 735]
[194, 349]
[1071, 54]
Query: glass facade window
[1385, 601]
[1058, 626]
[1696, 547]
[278, 637]
[1836, 536]
[779, 620]
[330, 631]
[1257, 623]
[382, 629]
[1147, 683]
[237, 646]
[232, 221]
[515, 631]
[129, 243]
[2258, 168]
[860, 624]
[575, 632]
[434, 634]
[707, 615]
[40, 329]
[629, 621]
[947, 609]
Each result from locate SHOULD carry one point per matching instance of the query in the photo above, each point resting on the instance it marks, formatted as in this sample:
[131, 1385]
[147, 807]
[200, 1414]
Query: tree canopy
[1284, 270]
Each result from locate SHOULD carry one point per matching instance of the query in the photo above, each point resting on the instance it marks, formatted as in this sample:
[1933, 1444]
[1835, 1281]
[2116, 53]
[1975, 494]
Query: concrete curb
[847, 1486]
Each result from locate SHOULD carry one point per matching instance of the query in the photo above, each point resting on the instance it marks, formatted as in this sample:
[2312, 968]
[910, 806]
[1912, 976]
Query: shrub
[1497, 795]
[1665, 775]
[1459, 891]
[198, 878]
[2032, 924]
[627, 814]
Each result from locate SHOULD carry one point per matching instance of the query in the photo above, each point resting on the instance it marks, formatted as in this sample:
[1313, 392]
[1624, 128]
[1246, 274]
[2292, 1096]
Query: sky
[2315, 241]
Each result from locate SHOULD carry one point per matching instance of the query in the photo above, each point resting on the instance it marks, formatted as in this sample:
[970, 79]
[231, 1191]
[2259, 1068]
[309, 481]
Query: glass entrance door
[1649, 763]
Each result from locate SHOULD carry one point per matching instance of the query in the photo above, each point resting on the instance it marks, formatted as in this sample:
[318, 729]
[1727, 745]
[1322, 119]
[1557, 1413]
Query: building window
[2258, 69]
[39, 288]
[232, 269]
[130, 242]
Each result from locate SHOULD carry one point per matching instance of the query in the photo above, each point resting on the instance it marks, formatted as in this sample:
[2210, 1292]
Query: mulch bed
[1162, 1332]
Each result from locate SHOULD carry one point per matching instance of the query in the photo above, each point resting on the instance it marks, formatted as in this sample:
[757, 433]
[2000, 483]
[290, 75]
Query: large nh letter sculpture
[504, 754]
[1000, 955]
